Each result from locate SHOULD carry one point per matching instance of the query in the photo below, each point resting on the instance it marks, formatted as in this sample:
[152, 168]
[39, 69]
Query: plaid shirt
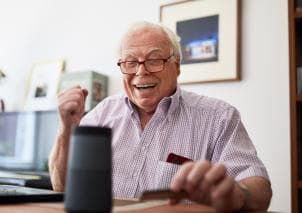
[187, 124]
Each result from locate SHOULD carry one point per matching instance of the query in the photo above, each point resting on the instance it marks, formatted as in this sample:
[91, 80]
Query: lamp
[2, 106]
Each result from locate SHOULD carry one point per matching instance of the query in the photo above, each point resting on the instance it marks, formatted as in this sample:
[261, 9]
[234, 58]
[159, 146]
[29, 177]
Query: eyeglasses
[151, 65]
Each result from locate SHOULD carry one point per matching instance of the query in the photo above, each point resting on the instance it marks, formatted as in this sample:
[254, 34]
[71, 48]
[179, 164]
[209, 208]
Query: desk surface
[59, 208]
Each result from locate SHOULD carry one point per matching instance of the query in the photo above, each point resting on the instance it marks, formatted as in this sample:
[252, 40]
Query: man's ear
[178, 68]
[177, 63]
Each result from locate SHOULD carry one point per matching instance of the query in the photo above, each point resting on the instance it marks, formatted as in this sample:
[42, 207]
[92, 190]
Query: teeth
[145, 85]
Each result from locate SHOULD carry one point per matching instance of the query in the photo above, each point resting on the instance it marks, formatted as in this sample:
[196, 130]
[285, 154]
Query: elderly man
[156, 118]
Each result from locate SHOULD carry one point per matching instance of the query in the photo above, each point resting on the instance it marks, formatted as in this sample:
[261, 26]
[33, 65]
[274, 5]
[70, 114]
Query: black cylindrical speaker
[88, 183]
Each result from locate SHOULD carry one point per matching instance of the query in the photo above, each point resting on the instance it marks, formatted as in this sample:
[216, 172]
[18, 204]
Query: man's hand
[71, 105]
[209, 184]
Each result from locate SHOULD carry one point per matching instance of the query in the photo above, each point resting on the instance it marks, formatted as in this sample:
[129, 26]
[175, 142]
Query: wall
[86, 34]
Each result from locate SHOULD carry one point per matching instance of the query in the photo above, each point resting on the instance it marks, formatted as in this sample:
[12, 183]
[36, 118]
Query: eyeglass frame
[165, 60]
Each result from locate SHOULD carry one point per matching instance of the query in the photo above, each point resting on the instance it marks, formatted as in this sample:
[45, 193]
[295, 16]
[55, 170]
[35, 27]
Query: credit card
[162, 194]
[177, 159]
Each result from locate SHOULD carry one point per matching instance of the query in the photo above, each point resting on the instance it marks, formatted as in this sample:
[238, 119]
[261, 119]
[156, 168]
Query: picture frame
[209, 33]
[43, 85]
[95, 82]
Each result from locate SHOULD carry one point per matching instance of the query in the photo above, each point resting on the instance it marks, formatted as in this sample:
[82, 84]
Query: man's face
[146, 89]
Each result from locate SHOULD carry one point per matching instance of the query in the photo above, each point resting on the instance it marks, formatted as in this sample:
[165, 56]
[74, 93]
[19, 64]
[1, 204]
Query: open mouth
[144, 86]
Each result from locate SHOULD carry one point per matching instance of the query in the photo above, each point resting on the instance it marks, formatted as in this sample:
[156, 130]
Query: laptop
[20, 194]
[25, 141]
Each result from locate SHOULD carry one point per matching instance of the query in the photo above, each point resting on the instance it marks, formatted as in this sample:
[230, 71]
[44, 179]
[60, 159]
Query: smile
[145, 86]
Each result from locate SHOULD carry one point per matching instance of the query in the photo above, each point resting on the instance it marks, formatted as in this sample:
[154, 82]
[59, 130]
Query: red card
[177, 159]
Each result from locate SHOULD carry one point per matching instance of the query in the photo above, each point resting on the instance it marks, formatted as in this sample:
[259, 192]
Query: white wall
[86, 34]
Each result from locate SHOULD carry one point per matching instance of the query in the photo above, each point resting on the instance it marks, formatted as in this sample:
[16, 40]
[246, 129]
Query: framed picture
[43, 85]
[209, 33]
[95, 82]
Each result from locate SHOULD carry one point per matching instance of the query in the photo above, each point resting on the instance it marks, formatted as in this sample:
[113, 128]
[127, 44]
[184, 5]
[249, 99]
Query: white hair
[172, 37]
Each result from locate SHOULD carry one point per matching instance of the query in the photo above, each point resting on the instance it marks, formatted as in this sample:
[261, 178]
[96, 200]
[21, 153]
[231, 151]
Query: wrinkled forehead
[145, 41]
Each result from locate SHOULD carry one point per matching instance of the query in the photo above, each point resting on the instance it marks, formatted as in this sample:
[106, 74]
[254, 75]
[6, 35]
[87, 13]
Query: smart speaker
[88, 182]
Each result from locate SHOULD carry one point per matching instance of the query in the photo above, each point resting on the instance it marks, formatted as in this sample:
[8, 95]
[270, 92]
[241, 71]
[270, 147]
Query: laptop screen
[17, 138]
[26, 138]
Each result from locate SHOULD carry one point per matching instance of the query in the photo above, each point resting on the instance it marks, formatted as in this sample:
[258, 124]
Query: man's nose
[141, 69]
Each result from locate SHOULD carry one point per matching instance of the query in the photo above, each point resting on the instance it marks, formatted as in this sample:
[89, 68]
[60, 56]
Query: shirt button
[135, 174]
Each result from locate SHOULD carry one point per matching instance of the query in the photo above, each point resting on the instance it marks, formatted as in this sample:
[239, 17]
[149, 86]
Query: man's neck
[144, 117]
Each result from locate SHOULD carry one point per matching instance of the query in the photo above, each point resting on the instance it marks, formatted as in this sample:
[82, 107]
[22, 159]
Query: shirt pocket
[164, 174]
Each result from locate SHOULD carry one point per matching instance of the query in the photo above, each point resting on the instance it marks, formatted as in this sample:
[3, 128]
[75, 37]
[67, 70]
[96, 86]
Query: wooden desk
[59, 208]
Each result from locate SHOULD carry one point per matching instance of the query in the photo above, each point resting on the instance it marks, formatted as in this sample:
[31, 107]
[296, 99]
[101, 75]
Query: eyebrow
[155, 50]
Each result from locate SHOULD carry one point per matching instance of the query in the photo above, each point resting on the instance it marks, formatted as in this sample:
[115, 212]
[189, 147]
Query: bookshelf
[295, 69]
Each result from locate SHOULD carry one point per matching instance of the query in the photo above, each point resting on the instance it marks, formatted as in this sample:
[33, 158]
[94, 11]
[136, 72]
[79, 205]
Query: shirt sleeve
[92, 117]
[234, 148]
